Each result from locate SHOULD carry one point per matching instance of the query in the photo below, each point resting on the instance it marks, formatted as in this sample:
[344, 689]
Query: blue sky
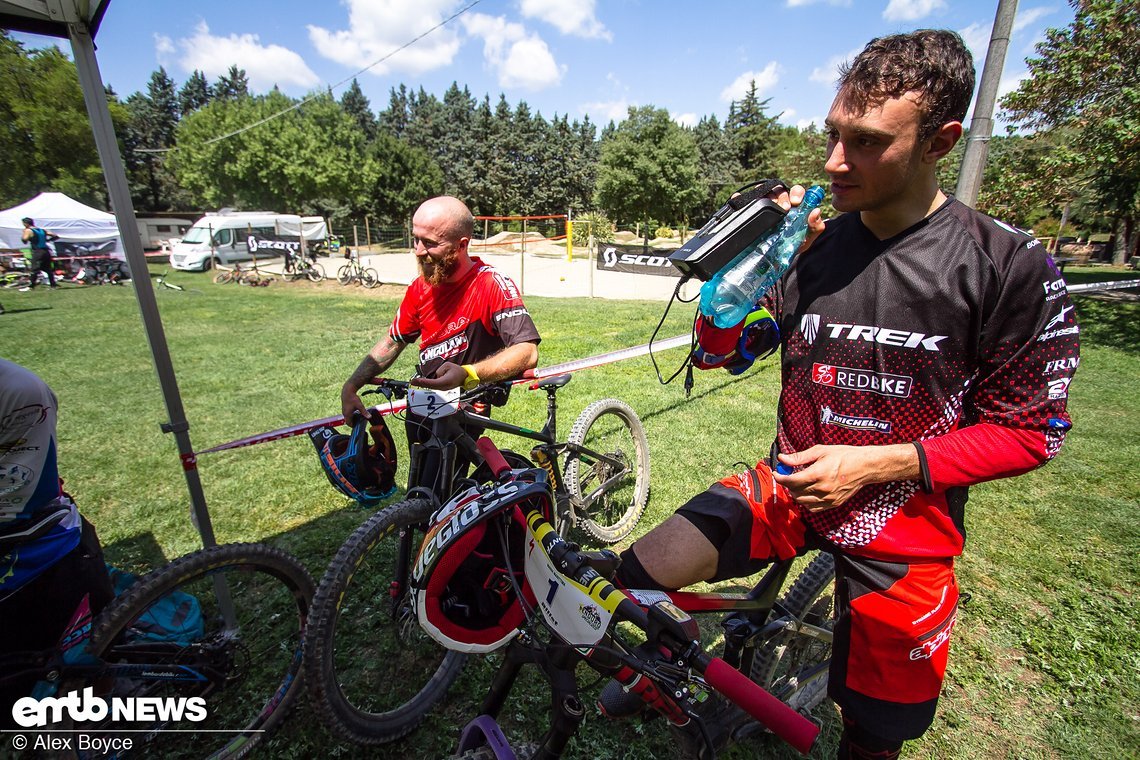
[575, 57]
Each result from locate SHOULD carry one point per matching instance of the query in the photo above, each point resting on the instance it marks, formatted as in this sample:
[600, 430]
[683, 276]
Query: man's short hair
[28, 220]
[934, 63]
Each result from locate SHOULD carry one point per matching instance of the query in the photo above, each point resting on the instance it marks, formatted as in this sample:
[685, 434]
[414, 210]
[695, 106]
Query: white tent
[66, 217]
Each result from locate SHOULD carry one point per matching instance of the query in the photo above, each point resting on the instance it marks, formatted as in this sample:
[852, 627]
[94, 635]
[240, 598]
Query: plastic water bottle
[733, 291]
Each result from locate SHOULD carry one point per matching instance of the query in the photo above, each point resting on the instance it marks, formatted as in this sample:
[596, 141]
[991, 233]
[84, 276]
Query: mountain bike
[354, 271]
[776, 652]
[200, 657]
[373, 674]
[298, 267]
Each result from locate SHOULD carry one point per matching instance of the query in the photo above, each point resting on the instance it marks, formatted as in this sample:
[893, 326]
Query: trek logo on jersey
[1055, 289]
[870, 424]
[1062, 365]
[885, 336]
[1059, 388]
[809, 326]
[862, 380]
[453, 346]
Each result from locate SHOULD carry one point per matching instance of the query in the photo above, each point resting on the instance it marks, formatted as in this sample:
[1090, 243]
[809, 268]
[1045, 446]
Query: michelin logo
[828, 417]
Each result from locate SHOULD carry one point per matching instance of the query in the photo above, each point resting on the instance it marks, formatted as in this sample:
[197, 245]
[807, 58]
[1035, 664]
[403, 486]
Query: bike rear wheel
[315, 272]
[223, 277]
[248, 674]
[373, 673]
[345, 275]
[612, 492]
[793, 666]
[369, 278]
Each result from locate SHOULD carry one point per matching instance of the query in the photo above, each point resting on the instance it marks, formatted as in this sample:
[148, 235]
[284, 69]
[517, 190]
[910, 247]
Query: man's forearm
[379, 359]
[507, 364]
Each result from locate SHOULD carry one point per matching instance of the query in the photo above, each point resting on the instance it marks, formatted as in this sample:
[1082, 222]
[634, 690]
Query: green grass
[1044, 659]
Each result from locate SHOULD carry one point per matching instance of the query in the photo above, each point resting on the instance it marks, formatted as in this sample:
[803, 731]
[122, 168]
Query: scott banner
[636, 259]
[274, 243]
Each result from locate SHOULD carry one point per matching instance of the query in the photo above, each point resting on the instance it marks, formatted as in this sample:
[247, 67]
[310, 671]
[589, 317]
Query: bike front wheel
[345, 275]
[373, 673]
[792, 665]
[607, 469]
[169, 637]
[223, 277]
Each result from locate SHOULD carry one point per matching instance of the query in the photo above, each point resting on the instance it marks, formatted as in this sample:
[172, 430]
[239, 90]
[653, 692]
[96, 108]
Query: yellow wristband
[472, 377]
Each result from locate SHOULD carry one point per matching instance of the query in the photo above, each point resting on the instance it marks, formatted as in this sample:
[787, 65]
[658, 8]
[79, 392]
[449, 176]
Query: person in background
[37, 239]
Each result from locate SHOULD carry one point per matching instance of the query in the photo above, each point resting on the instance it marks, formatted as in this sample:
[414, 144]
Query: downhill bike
[354, 271]
[214, 639]
[776, 652]
[373, 675]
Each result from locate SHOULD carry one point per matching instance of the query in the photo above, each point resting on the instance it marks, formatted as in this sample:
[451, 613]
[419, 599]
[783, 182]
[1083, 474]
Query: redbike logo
[861, 380]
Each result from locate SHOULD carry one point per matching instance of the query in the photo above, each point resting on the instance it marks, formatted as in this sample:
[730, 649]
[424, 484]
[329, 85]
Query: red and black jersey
[463, 322]
[957, 333]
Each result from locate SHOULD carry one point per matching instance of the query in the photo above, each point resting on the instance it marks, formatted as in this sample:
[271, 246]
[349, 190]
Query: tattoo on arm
[382, 356]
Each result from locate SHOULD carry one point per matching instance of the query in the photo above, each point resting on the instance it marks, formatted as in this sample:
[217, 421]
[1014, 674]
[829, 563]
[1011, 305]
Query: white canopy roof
[71, 220]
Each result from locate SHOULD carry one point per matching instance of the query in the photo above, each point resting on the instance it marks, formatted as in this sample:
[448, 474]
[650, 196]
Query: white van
[226, 237]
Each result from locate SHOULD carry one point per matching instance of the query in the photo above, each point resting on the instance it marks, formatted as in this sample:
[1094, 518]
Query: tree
[232, 85]
[195, 93]
[356, 105]
[306, 161]
[648, 170]
[45, 136]
[1083, 80]
[719, 167]
[753, 134]
[399, 178]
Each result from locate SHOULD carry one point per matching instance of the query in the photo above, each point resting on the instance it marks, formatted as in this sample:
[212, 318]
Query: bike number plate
[569, 610]
[433, 404]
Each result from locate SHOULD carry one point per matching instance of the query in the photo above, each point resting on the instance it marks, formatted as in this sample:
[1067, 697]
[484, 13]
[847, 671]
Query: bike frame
[750, 625]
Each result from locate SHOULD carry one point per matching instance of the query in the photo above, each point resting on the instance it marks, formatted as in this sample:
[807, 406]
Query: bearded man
[468, 317]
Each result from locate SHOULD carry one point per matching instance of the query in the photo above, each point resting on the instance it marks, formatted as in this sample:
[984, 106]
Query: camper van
[155, 231]
[226, 237]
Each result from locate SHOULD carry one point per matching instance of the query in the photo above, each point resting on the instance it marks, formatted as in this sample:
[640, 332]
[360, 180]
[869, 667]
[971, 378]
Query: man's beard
[436, 271]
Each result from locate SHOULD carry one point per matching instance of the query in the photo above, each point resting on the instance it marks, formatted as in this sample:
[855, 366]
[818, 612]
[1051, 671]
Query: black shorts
[36, 616]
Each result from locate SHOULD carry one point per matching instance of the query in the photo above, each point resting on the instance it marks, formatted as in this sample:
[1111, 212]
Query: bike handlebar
[780, 719]
[492, 456]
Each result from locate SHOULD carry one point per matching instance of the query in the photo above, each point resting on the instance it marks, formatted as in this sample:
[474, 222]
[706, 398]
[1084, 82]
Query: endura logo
[29, 712]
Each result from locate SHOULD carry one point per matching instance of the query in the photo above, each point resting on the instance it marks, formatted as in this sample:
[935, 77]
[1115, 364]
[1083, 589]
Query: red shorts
[894, 617]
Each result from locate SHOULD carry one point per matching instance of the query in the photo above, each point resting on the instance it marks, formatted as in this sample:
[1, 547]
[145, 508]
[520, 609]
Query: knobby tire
[794, 666]
[373, 675]
[253, 670]
[610, 427]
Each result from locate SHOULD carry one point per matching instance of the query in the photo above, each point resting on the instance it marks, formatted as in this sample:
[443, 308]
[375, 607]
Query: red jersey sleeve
[406, 326]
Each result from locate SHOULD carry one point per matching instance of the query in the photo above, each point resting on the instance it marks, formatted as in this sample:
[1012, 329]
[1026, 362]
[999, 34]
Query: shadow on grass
[8, 310]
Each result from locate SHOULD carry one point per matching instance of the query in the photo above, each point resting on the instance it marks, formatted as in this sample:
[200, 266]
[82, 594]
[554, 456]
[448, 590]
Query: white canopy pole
[83, 48]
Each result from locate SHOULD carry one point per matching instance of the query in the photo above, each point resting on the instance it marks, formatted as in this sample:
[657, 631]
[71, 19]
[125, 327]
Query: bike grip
[492, 455]
[780, 719]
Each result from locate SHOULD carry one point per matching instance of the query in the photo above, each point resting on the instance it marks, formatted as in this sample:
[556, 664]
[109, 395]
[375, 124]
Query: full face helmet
[469, 574]
[363, 471]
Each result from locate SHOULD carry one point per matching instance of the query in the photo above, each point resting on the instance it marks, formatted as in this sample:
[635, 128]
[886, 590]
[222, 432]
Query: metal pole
[981, 126]
[83, 48]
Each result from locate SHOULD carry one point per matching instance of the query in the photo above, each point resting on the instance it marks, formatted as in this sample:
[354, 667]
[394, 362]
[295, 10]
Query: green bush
[594, 223]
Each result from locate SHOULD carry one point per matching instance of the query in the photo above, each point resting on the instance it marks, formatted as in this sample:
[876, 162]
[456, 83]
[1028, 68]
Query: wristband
[472, 377]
